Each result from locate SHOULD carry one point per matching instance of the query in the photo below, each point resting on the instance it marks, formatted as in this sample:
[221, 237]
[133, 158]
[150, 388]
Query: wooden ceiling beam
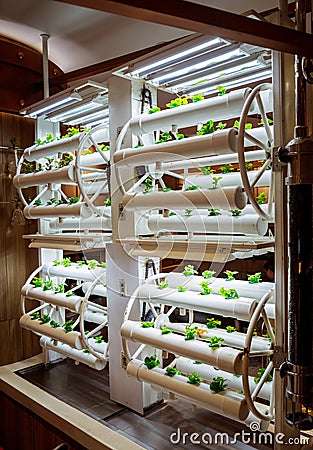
[204, 19]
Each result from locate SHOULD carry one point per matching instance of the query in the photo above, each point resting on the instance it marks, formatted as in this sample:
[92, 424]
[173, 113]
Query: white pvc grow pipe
[38, 212]
[220, 142]
[75, 272]
[241, 308]
[63, 145]
[93, 159]
[187, 366]
[72, 303]
[72, 338]
[95, 317]
[226, 358]
[228, 404]
[92, 187]
[227, 198]
[92, 223]
[229, 179]
[98, 290]
[216, 108]
[64, 175]
[77, 355]
[247, 224]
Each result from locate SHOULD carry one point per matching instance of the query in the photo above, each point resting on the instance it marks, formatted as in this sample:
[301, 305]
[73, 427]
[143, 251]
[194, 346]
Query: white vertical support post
[283, 83]
[45, 64]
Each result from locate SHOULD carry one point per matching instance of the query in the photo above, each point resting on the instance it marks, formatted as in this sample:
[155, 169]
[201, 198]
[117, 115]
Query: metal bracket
[277, 164]
[279, 357]
[122, 285]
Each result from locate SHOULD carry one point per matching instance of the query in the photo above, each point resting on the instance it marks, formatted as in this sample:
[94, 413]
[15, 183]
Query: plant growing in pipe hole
[86, 350]
[208, 274]
[240, 392]
[151, 362]
[213, 323]
[81, 264]
[38, 202]
[166, 189]
[153, 110]
[48, 285]
[178, 101]
[164, 137]
[190, 333]
[194, 378]
[248, 126]
[147, 324]
[35, 315]
[221, 126]
[148, 185]
[87, 152]
[172, 371]
[165, 330]
[221, 90]
[54, 324]
[103, 265]
[59, 288]
[66, 262]
[171, 214]
[249, 166]
[206, 170]
[218, 384]
[260, 373]
[269, 121]
[54, 201]
[255, 278]
[207, 128]
[73, 200]
[104, 148]
[92, 264]
[45, 319]
[57, 262]
[192, 188]
[215, 342]
[227, 168]
[230, 274]
[182, 289]
[197, 362]
[108, 202]
[214, 212]
[197, 98]
[261, 198]
[230, 329]
[228, 293]
[98, 339]
[215, 183]
[65, 160]
[163, 284]
[69, 294]
[189, 271]
[37, 282]
[50, 164]
[188, 212]
[235, 212]
[206, 289]
[68, 326]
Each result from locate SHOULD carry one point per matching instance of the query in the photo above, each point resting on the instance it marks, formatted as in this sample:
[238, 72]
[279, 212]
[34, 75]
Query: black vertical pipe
[301, 277]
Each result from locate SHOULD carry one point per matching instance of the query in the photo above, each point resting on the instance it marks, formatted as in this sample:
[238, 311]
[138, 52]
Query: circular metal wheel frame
[243, 135]
[86, 304]
[249, 354]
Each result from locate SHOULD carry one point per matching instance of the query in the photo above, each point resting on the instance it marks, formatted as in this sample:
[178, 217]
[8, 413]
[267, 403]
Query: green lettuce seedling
[255, 278]
[37, 282]
[206, 289]
[189, 270]
[151, 362]
[147, 324]
[218, 384]
[195, 379]
[230, 274]
[230, 329]
[171, 371]
[190, 333]
[165, 330]
[208, 274]
[228, 293]
[163, 284]
[182, 289]
[213, 323]
[215, 342]
[260, 373]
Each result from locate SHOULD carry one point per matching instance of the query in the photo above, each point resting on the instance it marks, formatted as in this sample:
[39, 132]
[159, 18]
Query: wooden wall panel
[17, 261]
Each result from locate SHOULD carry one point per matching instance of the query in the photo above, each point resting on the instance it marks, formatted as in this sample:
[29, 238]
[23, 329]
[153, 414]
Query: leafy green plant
[249, 166]
[171, 371]
[28, 167]
[215, 182]
[71, 131]
[104, 148]
[260, 373]
[49, 164]
[108, 202]
[165, 330]
[151, 362]
[164, 137]
[206, 170]
[215, 342]
[73, 200]
[44, 319]
[230, 329]
[195, 379]
[197, 98]
[166, 189]
[54, 324]
[190, 333]
[68, 326]
[227, 168]
[221, 90]
[214, 212]
[191, 188]
[69, 294]
[37, 282]
[221, 126]
[218, 384]
[171, 214]
[56, 262]
[163, 284]
[261, 198]
[65, 160]
[98, 339]
[255, 278]
[228, 293]
[235, 212]
[153, 110]
[92, 264]
[197, 362]
[213, 323]
[206, 289]
[189, 270]
[188, 212]
[178, 101]
[35, 315]
[38, 202]
[148, 185]
[81, 264]
[103, 265]
[248, 126]
[208, 274]
[147, 324]
[230, 274]
[269, 121]
[53, 201]
[182, 289]
[48, 285]
[207, 128]
[59, 288]
[66, 262]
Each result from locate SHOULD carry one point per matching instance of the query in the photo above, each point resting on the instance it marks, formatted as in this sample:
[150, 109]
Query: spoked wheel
[91, 165]
[266, 145]
[251, 397]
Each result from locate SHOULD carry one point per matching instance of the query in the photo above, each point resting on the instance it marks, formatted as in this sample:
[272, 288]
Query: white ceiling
[81, 37]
